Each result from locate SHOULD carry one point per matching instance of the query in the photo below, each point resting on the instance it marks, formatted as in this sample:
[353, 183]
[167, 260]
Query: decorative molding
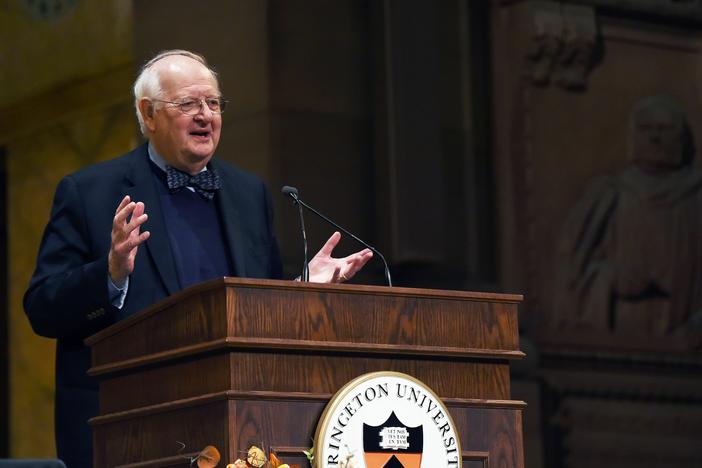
[658, 11]
[628, 356]
[483, 458]
[202, 400]
[183, 459]
[623, 374]
[617, 385]
[230, 344]
[682, 10]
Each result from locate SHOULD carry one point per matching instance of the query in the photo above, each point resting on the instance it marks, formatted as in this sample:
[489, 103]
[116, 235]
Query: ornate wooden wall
[567, 75]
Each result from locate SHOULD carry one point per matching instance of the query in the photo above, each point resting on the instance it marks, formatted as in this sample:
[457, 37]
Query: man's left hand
[326, 269]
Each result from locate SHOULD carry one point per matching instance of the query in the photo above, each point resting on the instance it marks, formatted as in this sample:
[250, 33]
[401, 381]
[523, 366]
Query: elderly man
[98, 263]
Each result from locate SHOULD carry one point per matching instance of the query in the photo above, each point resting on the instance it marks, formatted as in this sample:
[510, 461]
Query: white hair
[148, 82]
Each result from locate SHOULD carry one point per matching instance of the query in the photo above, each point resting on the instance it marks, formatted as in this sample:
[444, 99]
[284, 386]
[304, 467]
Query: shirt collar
[158, 159]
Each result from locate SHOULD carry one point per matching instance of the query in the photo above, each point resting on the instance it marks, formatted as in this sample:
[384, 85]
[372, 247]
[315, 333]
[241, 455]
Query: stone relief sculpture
[563, 45]
[576, 56]
[547, 26]
[630, 255]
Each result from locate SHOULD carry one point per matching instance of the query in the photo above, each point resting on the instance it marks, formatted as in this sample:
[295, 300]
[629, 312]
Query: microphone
[293, 193]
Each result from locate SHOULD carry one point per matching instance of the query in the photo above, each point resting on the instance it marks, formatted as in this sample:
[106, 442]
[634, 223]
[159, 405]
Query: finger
[123, 203]
[126, 247]
[137, 212]
[331, 243]
[140, 239]
[136, 220]
[136, 223]
[364, 258]
[128, 231]
[357, 262]
[138, 209]
[121, 216]
[362, 253]
[365, 254]
[138, 217]
[137, 242]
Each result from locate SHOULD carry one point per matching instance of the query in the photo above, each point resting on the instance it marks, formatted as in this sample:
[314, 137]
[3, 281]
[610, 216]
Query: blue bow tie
[206, 183]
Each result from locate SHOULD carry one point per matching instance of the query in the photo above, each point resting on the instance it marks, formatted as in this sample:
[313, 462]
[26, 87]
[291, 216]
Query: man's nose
[204, 112]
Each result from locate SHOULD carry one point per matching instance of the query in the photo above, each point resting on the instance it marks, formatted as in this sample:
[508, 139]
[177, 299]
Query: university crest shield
[393, 444]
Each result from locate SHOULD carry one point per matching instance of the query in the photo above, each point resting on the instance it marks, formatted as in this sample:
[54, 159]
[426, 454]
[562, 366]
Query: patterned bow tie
[206, 183]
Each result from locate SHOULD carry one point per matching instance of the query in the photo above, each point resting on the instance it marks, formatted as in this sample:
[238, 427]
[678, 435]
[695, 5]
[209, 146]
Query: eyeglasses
[194, 106]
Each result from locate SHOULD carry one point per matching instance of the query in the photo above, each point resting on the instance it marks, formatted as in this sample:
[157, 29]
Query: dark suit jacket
[67, 298]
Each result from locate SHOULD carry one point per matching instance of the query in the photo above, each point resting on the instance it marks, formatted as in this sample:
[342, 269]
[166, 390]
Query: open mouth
[200, 134]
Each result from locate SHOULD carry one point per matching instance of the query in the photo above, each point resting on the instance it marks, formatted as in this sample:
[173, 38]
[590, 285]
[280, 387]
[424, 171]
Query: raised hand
[126, 239]
[326, 269]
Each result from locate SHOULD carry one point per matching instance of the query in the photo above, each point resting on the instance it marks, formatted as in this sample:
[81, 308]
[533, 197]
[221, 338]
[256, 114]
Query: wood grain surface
[235, 362]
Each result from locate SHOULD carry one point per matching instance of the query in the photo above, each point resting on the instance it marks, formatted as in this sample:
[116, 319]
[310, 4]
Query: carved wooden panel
[623, 409]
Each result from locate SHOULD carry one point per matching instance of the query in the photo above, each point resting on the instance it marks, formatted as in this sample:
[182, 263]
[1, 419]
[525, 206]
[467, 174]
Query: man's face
[658, 139]
[186, 142]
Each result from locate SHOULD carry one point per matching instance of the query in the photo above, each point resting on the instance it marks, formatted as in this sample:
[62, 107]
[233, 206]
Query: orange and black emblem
[393, 444]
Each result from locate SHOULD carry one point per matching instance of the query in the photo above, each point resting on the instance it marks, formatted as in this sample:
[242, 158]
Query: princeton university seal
[386, 420]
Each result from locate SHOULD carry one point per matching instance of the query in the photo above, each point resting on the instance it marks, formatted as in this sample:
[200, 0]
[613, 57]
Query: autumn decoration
[209, 457]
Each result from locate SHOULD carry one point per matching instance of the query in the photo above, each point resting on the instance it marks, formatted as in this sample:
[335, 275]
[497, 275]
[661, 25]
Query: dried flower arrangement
[209, 457]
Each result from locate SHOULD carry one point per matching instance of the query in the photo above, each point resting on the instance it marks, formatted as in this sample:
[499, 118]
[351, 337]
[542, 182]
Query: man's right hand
[126, 239]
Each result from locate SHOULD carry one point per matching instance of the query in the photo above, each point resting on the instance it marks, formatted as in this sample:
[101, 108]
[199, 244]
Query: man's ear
[146, 108]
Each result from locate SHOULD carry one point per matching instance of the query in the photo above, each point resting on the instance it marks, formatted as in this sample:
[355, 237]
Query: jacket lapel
[229, 208]
[158, 246]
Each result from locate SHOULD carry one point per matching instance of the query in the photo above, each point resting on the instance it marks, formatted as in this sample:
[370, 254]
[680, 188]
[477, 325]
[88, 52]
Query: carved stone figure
[563, 45]
[546, 42]
[631, 250]
[577, 54]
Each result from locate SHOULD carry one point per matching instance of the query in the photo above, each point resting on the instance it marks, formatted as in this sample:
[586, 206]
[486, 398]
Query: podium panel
[235, 362]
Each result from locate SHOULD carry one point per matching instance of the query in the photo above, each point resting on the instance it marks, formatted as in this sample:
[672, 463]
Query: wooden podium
[235, 362]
